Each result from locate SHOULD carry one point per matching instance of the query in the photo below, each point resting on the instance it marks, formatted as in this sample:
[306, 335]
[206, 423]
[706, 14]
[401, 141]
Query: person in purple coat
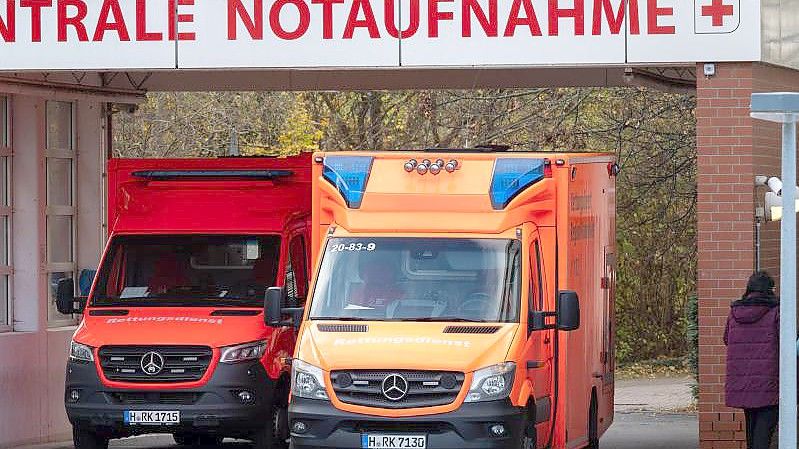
[753, 359]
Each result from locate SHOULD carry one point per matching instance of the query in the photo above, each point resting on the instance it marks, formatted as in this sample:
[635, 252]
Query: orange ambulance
[463, 299]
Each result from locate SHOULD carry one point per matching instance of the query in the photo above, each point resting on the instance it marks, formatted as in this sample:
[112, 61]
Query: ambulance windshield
[188, 271]
[418, 279]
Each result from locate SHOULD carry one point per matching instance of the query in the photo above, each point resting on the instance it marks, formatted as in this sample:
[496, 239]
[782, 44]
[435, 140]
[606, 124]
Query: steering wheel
[476, 302]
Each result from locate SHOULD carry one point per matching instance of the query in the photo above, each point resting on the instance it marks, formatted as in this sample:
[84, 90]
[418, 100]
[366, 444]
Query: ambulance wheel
[210, 440]
[196, 439]
[593, 423]
[86, 439]
[186, 438]
[530, 433]
[528, 442]
[275, 436]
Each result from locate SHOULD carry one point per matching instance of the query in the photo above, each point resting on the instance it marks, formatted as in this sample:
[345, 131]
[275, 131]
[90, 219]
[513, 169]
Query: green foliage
[652, 369]
[652, 133]
[692, 337]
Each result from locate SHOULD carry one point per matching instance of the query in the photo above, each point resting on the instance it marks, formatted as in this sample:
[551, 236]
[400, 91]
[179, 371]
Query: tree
[652, 133]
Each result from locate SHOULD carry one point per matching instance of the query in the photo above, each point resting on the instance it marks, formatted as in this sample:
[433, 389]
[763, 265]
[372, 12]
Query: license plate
[152, 417]
[382, 441]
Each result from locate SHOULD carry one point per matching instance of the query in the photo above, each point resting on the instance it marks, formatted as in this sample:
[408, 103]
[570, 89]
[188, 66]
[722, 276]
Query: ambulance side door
[539, 348]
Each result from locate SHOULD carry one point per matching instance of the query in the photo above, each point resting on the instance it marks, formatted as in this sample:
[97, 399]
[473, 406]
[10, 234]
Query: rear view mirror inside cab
[424, 254]
[230, 256]
[252, 250]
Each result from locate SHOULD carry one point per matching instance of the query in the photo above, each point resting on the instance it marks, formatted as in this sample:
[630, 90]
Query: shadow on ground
[647, 416]
[652, 431]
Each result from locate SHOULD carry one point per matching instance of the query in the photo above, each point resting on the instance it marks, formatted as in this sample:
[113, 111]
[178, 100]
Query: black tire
[593, 423]
[529, 432]
[196, 439]
[528, 442]
[87, 439]
[186, 438]
[275, 435]
[210, 440]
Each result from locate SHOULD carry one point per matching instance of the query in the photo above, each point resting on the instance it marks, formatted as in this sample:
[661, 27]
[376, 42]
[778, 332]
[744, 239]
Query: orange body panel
[566, 221]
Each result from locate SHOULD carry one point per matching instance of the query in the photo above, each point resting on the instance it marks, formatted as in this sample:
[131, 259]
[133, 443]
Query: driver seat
[168, 272]
[379, 287]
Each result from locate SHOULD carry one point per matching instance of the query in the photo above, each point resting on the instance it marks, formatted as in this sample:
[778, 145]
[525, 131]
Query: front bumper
[465, 428]
[212, 408]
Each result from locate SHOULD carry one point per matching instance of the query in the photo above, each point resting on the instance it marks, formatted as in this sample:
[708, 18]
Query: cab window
[419, 279]
[297, 270]
[187, 270]
[536, 279]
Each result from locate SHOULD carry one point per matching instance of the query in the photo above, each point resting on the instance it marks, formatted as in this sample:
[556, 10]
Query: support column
[731, 149]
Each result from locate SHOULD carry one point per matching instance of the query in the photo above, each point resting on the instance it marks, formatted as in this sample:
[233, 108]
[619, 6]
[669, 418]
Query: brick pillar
[731, 149]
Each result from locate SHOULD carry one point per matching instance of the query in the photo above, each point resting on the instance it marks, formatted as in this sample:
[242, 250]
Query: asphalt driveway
[650, 413]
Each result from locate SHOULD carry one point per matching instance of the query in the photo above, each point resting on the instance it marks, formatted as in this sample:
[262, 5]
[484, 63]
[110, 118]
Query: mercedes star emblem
[152, 363]
[395, 387]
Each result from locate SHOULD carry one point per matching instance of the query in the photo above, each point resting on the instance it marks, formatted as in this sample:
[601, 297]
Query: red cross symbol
[718, 11]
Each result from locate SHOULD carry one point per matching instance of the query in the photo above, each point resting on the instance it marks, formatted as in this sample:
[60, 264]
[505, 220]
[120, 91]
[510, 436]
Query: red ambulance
[173, 337]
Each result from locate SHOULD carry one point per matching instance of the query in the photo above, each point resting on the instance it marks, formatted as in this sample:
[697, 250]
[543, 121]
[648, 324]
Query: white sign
[213, 34]
[696, 30]
[86, 34]
[290, 33]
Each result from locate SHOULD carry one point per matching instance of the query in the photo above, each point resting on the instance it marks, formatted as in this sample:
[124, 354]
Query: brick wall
[731, 149]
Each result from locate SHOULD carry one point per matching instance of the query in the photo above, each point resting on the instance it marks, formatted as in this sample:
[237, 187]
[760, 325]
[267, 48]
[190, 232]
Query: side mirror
[274, 310]
[65, 297]
[273, 306]
[568, 315]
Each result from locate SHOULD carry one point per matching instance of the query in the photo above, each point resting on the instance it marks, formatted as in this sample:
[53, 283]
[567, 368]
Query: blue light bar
[349, 174]
[513, 176]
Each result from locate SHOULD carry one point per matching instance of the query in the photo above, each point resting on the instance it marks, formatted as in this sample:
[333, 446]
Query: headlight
[241, 353]
[80, 353]
[492, 383]
[307, 381]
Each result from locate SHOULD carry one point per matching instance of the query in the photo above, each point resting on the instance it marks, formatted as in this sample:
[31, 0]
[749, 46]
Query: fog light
[246, 397]
[74, 396]
[299, 427]
[497, 430]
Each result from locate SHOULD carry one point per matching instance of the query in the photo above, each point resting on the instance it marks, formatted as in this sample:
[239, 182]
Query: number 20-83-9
[341, 247]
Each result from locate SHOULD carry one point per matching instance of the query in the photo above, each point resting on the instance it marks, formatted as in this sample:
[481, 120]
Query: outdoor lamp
[774, 208]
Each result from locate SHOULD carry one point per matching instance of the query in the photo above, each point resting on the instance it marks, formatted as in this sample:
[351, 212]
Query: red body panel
[221, 206]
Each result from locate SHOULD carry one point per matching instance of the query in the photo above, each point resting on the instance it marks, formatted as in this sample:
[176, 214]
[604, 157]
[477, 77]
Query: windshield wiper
[340, 318]
[156, 301]
[443, 319]
[148, 302]
[235, 301]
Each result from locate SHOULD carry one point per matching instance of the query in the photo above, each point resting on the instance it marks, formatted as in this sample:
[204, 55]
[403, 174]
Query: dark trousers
[760, 425]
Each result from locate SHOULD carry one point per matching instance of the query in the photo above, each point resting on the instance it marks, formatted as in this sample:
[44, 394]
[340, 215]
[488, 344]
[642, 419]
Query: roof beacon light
[435, 169]
[422, 168]
[511, 177]
[349, 174]
[410, 166]
[451, 166]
